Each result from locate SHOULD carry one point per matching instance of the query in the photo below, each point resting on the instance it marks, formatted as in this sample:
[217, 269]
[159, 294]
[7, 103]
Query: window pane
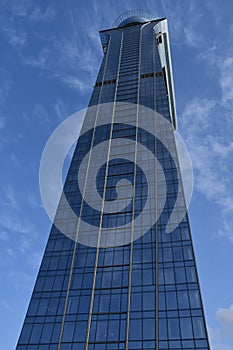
[36, 332]
[136, 301]
[113, 330]
[72, 305]
[101, 330]
[26, 331]
[84, 303]
[183, 301]
[169, 276]
[149, 328]
[198, 327]
[180, 275]
[68, 331]
[162, 329]
[173, 328]
[80, 331]
[191, 274]
[149, 301]
[171, 300]
[47, 332]
[186, 328]
[104, 303]
[115, 302]
[135, 329]
[194, 299]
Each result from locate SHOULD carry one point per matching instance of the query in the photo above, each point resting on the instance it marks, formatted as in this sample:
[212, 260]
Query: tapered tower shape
[120, 272]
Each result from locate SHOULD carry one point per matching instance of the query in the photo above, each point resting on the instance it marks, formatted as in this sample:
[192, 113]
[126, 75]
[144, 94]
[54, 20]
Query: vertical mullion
[80, 213]
[103, 200]
[133, 201]
[156, 207]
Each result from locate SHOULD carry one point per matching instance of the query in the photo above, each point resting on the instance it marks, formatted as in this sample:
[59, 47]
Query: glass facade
[142, 293]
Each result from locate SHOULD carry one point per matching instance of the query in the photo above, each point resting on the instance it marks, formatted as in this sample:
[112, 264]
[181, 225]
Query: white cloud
[20, 280]
[41, 61]
[29, 10]
[61, 57]
[10, 199]
[7, 306]
[184, 18]
[192, 37]
[35, 259]
[16, 223]
[220, 64]
[225, 316]
[210, 144]
[217, 340]
[36, 14]
[75, 82]
[40, 113]
[14, 160]
[214, 9]
[59, 109]
[2, 122]
[6, 84]
[4, 236]
[15, 37]
[34, 201]
[199, 110]
[221, 338]
[226, 78]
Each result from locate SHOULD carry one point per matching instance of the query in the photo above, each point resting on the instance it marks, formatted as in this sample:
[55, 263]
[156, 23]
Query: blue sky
[50, 55]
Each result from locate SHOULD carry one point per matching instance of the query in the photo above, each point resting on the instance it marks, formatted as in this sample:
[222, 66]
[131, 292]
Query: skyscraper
[119, 270]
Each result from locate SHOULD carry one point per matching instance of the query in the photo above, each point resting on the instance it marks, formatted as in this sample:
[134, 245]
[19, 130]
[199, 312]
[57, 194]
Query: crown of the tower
[131, 17]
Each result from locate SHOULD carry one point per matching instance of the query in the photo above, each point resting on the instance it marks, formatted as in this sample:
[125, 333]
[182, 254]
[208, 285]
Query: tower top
[132, 17]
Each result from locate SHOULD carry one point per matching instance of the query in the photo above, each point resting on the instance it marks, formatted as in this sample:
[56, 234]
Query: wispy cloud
[74, 82]
[16, 223]
[7, 306]
[211, 148]
[3, 236]
[61, 57]
[207, 125]
[28, 10]
[70, 51]
[10, 198]
[60, 109]
[225, 316]
[39, 15]
[20, 280]
[217, 341]
[40, 113]
[192, 37]
[13, 29]
[16, 38]
[2, 122]
[35, 259]
[15, 161]
[184, 18]
[219, 62]
[6, 84]
[35, 202]
[221, 337]
[226, 77]
[39, 61]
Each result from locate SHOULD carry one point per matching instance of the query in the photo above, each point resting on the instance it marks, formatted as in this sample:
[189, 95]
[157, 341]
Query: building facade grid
[144, 294]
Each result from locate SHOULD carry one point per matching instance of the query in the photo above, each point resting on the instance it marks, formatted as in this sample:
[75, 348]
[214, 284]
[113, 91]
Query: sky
[50, 54]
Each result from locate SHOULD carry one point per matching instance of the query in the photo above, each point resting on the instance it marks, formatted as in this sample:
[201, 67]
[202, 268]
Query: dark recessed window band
[149, 75]
[106, 82]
